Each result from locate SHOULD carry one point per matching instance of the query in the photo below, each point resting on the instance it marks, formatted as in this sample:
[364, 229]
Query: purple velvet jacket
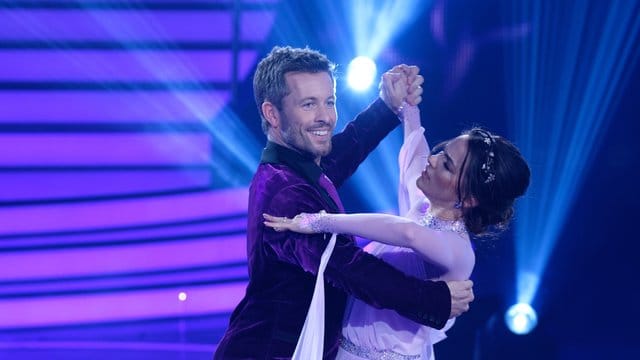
[283, 265]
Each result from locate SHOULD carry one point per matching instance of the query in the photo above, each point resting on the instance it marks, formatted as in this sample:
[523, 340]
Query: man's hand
[414, 83]
[461, 296]
[401, 84]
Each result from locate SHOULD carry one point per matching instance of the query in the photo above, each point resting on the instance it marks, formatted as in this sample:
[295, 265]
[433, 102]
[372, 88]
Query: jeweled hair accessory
[487, 166]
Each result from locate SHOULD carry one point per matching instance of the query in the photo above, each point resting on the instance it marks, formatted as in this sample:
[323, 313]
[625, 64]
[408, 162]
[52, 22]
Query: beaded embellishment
[435, 223]
[487, 167]
[373, 354]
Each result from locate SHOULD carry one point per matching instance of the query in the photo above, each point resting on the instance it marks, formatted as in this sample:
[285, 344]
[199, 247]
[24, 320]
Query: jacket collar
[304, 165]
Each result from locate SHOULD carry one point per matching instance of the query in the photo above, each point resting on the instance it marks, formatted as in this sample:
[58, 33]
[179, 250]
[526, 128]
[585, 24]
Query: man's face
[308, 115]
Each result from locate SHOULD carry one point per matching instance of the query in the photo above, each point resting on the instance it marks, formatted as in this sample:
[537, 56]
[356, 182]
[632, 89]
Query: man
[295, 93]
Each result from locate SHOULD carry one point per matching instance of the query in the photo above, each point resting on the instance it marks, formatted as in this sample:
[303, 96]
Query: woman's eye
[436, 150]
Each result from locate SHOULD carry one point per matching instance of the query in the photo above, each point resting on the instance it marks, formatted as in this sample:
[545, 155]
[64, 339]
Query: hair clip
[487, 166]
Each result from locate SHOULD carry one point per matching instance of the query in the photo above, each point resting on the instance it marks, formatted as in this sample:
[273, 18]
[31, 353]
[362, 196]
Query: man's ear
[271, 114]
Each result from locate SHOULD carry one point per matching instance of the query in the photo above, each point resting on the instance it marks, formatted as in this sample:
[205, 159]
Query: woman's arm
[412, 160]
[436, 247]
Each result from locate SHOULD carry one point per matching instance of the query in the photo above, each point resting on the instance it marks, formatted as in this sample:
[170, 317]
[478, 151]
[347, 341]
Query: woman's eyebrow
[449, 159]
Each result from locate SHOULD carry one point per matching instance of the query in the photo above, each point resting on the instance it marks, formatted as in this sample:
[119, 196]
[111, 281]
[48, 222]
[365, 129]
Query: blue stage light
[521, 318]
[562, 89]
[361, 73]
[374, 24]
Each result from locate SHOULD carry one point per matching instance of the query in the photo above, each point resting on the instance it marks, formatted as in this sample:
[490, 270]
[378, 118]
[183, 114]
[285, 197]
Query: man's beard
[294, 138]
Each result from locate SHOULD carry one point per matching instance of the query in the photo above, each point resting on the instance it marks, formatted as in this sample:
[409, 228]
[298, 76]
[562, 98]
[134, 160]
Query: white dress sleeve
[412, 160]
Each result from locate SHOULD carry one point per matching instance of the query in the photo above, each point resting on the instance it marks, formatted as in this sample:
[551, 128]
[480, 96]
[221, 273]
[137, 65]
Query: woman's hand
[302, 223]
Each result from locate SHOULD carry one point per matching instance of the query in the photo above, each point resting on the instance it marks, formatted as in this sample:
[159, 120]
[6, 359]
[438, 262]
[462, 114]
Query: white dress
[370, 333]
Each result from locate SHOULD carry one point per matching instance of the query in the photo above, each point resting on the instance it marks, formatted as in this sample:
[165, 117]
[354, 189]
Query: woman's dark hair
[495, 175]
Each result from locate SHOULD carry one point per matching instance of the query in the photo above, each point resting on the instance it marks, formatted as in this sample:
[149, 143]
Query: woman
[467, 184]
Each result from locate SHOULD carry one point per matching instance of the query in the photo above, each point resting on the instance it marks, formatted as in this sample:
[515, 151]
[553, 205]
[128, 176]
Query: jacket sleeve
[350, 268]
[351, 146]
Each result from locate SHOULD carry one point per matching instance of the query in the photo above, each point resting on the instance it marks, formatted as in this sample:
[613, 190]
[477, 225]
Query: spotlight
[361, 72]
[182, 296]
[521, 318]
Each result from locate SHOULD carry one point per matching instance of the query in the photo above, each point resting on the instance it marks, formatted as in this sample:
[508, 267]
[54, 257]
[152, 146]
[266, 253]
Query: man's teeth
[320, 132]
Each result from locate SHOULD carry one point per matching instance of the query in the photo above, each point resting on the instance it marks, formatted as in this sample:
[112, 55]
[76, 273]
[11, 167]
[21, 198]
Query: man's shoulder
[280, 186]
[277, 177]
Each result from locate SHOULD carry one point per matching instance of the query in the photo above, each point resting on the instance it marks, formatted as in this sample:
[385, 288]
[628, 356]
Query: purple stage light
[47, 185]
[233, 223]
[120, 65]
[132, 25]
[131, 305]
[120, 213]
[246, 62]
[255, 25]
[124, 282]
[71, 107]
[122, 25]
[126, 258]
[71, 255]
[123, 266]
[104, 149]
[49, 346]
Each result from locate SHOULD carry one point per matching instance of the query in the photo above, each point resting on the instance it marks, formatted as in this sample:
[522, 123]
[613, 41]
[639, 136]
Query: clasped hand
[400, 85]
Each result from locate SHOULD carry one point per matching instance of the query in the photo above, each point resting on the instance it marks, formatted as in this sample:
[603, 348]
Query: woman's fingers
[275, 225]
[278, 223]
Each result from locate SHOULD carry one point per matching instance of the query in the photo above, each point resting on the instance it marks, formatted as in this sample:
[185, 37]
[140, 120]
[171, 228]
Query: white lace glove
[303, 223]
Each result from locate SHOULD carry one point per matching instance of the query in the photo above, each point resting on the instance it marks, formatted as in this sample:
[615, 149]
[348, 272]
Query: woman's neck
[443, 219]
[445, 213]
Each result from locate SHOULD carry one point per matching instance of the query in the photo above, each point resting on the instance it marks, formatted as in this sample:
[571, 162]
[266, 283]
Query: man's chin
[324, 151]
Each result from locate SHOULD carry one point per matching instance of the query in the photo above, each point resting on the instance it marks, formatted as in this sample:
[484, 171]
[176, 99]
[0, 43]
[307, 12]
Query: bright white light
[182, 296]
[521, 318]
[361, 73]
[527, 286]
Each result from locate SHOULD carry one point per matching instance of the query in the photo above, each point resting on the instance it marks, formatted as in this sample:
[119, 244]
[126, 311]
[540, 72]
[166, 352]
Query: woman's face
[439, 180]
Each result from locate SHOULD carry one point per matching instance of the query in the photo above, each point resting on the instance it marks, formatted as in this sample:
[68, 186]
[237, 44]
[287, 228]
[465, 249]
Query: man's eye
[331, 103]
[307, 105]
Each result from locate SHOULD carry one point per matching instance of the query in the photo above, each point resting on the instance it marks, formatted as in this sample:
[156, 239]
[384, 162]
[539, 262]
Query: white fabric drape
[311, 341]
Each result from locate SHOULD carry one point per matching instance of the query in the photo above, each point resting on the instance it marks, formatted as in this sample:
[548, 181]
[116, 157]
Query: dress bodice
[382, 329]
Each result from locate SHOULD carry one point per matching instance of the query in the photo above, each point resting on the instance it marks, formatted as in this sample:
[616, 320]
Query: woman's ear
[271, 114]
[470, 202]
